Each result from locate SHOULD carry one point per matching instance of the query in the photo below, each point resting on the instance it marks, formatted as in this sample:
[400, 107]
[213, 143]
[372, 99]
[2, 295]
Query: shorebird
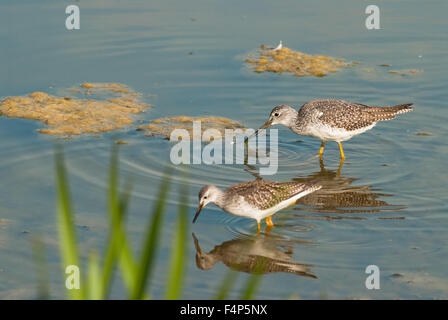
[332, 120]
[279, 47]
[257, 199]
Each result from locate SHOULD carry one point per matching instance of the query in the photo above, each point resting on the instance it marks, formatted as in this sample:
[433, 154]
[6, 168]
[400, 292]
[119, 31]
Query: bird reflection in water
[252, 255]
[339, 196]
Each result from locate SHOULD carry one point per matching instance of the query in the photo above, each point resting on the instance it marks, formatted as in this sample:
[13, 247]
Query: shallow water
[387, 206]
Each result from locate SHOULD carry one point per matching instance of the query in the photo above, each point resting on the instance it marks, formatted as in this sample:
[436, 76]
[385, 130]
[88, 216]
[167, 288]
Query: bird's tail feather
[388, 113]
[399, 108]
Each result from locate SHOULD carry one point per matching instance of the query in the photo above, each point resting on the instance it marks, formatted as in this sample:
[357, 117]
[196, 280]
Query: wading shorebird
[258, 199]
[332, 120]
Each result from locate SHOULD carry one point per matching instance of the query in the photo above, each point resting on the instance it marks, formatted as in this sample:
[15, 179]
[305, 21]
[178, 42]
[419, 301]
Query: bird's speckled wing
[350, 115]
[266, 194]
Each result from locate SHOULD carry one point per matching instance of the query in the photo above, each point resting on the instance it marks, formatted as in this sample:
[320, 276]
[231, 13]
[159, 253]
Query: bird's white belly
[327, 133]
[242, 209]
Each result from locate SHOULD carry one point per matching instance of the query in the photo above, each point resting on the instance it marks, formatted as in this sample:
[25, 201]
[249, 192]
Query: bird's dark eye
[276, 114]
[205, 197]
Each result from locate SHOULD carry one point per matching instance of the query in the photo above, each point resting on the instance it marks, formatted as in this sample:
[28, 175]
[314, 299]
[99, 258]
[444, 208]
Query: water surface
[387, 206]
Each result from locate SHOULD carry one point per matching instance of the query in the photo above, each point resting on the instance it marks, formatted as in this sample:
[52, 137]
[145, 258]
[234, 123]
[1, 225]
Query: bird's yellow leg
[321, 150]
[342, 151]
[258, 227]
[340, 167]
[269, 221]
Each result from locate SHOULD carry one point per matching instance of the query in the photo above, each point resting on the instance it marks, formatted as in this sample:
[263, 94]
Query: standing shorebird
[258, 199]
[332, 120]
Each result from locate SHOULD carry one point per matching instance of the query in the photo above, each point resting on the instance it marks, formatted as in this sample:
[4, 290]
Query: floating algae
[298, 63]
[164, 126]
[74, 116]
[423, 133]
[406, 72]
[383, 73]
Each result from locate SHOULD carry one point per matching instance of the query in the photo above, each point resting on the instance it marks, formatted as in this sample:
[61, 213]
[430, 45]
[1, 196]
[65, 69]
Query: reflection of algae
[164, 126]
[298, 63]
[72, 116]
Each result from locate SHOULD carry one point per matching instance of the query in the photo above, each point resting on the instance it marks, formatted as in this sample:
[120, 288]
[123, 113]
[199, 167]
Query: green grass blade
[227, 284]
[127, 262]
[66, 225]
[41, 267]
[251, 287]
[111, 250]
[150, 242]
[179, 250]
[127, 265]
[120, 244]
[117, 244]
[94, 284]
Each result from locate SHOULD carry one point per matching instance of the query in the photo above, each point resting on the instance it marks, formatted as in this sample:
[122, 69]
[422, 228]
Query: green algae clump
[75, 116]
[298, 63]
[164, 126]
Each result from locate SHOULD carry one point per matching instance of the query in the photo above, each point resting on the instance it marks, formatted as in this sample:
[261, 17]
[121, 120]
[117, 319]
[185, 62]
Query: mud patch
[110, 106]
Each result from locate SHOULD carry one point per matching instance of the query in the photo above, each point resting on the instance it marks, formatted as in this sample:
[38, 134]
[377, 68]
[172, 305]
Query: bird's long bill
[266, 125]
[196, 243]
[198, 212]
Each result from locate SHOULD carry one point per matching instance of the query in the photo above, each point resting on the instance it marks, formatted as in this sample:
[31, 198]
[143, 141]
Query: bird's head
[281, 114]
[207, 194]
[204, 261]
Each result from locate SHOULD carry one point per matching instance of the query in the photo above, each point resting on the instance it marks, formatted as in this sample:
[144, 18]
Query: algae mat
[164, 126]
[298, 63]
[74, 116]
